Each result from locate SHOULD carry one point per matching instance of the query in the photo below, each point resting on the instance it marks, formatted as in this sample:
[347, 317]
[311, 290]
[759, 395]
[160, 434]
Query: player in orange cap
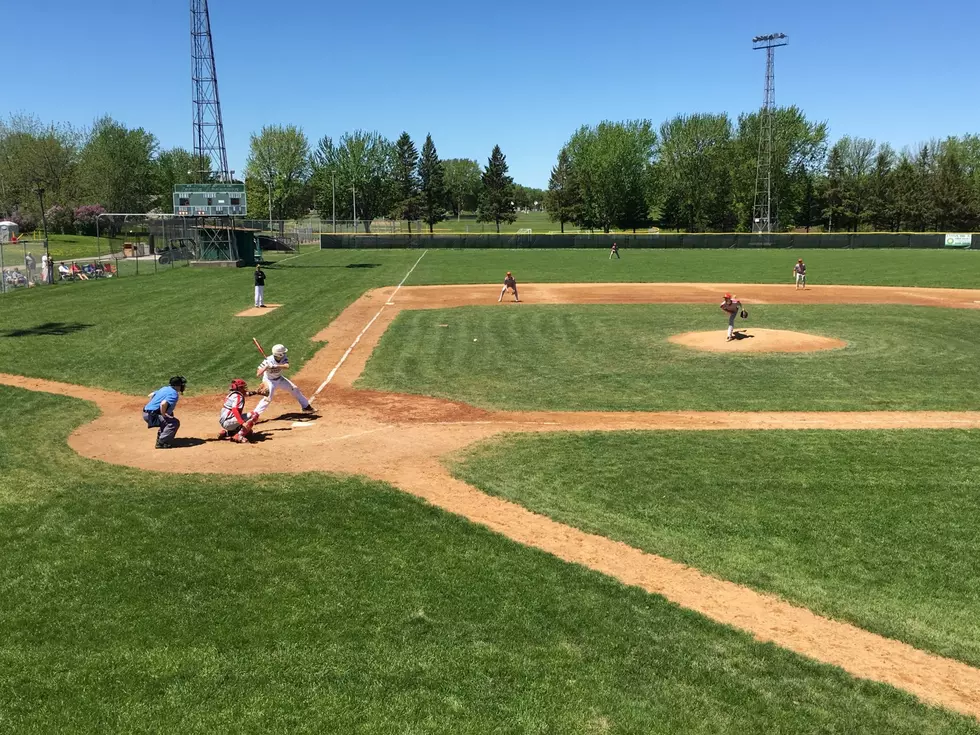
[731, 306]
[511, 283]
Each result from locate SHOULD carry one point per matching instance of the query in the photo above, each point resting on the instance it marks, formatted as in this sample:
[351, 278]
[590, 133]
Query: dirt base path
[400, 439]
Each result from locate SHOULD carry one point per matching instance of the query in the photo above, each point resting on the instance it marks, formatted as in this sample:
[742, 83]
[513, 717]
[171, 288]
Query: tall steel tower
[762, 214]
[209, 132]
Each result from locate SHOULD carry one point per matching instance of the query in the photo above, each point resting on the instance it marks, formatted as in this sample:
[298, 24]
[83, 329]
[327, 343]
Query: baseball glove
[262, 391]
[745, 314]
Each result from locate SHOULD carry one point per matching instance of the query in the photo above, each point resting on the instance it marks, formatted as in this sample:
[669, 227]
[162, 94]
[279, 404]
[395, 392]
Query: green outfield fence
[599, 240]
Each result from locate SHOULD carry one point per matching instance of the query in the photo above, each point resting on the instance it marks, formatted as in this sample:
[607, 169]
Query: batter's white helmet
[279, 350]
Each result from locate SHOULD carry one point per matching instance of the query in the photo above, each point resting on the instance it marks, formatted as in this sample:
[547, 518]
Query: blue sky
[521, 74]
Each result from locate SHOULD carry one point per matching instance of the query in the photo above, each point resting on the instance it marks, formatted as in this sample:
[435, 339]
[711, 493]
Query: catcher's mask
[238, 386]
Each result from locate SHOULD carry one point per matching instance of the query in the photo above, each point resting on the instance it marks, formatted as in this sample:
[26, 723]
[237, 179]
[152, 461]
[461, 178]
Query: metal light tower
[762, 207]
[209, 132]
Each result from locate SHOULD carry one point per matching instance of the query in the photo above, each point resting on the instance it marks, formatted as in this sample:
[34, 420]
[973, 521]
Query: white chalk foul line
[350, 349]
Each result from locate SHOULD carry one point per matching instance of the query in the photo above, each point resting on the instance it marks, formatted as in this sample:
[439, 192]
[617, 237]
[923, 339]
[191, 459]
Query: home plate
[300, 424]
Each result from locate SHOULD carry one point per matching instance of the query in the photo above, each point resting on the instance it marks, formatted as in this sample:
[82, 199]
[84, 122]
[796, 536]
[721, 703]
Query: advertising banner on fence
[959, 240]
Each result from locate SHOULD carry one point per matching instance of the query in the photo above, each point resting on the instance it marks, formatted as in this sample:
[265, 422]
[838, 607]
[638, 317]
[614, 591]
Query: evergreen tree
[562, 197]
[431, 177]
[497, 196]
[407, 188]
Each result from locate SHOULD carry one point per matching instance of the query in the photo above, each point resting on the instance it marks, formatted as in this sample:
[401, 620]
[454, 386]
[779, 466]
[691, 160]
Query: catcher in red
[509, 283]
[235, 423]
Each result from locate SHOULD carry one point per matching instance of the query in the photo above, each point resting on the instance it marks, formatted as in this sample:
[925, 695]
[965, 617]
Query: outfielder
[799, 270]
[614, 250]
[732, 307]
[235, 424]
[270, 370]
[511, 283]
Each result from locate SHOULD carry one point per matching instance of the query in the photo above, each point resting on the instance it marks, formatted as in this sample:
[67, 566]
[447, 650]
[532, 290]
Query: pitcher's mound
[259, 310]
[757, 340]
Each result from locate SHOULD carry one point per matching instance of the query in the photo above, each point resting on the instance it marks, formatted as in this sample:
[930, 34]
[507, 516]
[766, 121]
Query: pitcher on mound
[270, 370]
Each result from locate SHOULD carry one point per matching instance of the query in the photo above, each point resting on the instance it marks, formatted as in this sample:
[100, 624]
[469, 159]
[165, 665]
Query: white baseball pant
[285, 384]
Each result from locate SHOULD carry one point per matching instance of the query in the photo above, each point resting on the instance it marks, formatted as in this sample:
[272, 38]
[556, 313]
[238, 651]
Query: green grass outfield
[137, 602]
[128, 334]
[875, 527]
[617, 357]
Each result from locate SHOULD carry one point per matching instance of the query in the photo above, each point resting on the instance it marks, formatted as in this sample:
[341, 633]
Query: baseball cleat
[222, 434]
[309, 409]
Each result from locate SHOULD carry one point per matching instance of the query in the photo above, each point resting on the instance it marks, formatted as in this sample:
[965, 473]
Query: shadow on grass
[349, 265]
[52, 329]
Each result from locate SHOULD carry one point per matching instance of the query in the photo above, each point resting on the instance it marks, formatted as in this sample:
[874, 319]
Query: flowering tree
[85, 218]
[60, 219]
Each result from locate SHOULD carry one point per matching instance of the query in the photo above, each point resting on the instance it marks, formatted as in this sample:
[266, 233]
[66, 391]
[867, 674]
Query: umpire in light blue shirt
[159, 412]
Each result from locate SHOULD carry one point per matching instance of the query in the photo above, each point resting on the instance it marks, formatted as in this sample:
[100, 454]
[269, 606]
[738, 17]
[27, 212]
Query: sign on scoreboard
[209, 200]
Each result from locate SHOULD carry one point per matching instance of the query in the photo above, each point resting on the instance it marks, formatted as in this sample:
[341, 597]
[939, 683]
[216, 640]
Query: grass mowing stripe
[616, 357]
[936, 268]
[133, 601]
[874, 527]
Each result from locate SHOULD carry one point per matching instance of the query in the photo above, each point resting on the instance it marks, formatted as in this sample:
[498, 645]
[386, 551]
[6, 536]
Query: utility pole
[44, 223]
[353, 194]
[333, 197]
[762, 206]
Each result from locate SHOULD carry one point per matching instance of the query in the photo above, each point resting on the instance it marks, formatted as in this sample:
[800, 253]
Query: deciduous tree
[117, 168]
[462, 179]
[279, 157]
[361, 166]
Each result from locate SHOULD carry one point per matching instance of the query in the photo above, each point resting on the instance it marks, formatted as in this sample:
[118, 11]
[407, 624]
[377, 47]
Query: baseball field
[583, 513]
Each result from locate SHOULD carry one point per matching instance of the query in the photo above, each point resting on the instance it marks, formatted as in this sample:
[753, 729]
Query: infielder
[159, 412]
[235, 424]
[799, 270]
[511, 283]
[732, 307]
[270, 370]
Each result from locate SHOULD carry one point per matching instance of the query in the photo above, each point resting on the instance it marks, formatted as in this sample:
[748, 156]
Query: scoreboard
[209, 200]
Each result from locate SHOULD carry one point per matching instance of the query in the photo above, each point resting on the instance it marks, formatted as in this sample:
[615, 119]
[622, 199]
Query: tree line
[361, 176]
[697, 173]
[693, 173]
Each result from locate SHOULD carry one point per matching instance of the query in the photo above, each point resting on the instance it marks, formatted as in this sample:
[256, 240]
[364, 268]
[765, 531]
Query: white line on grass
[350, 349]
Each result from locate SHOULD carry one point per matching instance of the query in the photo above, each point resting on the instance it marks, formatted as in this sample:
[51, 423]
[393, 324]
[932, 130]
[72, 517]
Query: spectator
[64, 272]
[78, 272]
[31, 264]
[45, 268]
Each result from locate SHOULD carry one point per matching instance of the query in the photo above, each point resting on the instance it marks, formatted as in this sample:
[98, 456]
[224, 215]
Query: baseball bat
[259, 347]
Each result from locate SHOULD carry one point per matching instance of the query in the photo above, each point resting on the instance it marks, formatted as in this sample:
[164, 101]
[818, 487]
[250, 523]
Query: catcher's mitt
[262, 391]
[745, 314]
